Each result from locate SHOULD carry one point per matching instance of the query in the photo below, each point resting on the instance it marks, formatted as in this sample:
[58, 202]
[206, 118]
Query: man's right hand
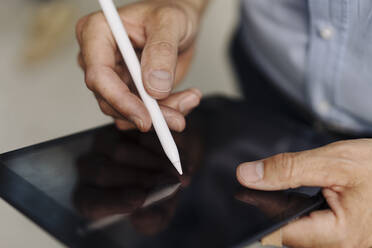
[163, 32]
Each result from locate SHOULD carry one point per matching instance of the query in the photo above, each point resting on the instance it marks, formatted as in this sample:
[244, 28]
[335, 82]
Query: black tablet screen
[117, 189]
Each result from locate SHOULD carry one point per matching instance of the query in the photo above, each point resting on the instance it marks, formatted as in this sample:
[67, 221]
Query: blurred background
[42, 90]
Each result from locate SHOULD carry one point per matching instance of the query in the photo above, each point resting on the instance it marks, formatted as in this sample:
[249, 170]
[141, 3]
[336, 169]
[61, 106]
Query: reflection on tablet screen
[121, 188]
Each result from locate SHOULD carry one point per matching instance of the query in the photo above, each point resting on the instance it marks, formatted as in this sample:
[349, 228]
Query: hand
[163, 32]
[344, 170]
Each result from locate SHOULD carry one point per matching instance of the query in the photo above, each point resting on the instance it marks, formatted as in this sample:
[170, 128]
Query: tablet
[109, 188]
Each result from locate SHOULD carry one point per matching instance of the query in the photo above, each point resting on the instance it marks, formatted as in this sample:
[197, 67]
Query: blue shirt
[319, 52]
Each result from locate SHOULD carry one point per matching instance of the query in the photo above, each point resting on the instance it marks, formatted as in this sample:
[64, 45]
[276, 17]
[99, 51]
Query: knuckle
[285, 166]
[80, 24]
[350, 161]
[105, 108]
[91, 77]
[163, 47]
[95, 19]
[343, 149]
[81, 61]
[347, 171]
[91, 24]
[169, 12]
[352, 148]
[95, 76]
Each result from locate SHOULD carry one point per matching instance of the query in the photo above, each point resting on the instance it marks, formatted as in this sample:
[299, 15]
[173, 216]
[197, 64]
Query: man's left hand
[344, 170]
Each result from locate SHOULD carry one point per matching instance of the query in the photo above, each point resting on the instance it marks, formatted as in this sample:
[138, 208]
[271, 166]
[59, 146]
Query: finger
[124, 125]
[120, 68]
[107, 109]
[312, 231]
[81, 61]
[97, 49]
[123, 72]
[175, 120]
[105, 82]
[183, 101]
[164, 30]
[291, 170]
[79, 28]
[99, 57]
[133, 16]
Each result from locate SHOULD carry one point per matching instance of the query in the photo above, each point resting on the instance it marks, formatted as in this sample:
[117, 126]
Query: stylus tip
[178, 167]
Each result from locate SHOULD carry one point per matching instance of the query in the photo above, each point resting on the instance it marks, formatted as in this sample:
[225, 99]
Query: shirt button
[324, 107]
[326, 32]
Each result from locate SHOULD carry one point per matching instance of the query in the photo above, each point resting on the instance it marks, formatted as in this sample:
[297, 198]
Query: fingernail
[160, 81]
[251, 172]
[188, 102]
[138, 122]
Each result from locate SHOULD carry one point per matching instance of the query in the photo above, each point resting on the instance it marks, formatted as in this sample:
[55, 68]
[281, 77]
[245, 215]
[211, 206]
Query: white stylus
[134, 67]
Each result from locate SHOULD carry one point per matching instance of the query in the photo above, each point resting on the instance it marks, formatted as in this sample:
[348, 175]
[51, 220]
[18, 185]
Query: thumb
[292, 170]
[164, 31]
